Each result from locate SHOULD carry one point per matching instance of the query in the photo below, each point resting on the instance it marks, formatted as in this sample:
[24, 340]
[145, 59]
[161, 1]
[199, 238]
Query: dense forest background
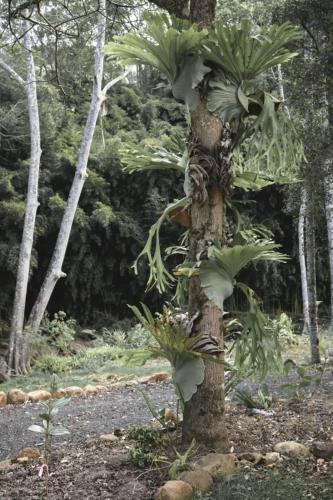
[116, 209]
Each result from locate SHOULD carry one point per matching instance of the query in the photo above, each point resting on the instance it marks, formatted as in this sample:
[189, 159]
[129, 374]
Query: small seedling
[181, 462]
[49, 429]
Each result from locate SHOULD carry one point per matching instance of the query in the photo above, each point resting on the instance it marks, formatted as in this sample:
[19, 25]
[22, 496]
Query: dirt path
[83, 417]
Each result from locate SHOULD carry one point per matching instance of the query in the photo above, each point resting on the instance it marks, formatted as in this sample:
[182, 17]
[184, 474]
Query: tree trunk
[310, 240]
[328, 184]
[302, 261]
[15, 359]
[204, 413]
[54, 271]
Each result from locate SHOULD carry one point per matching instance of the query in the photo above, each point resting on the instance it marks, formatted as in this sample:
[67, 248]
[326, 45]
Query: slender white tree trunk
[302, 260]
[310, 240]
[301, 223]
[17, 324]
[328, 185]
[54, 271]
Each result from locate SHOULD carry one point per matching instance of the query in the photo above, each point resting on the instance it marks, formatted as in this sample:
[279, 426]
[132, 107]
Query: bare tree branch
[6, 67]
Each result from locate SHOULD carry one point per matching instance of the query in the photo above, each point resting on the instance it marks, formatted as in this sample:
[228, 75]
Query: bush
[53, 363]
[136, 337]
[59, 332]
[284, 328]
[91, 358]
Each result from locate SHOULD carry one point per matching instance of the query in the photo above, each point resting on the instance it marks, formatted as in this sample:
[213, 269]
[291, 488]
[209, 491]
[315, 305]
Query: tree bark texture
[54, 271]
[15, 358]
[302, 260]
[204, 413]
[328, 185]
[311, 273]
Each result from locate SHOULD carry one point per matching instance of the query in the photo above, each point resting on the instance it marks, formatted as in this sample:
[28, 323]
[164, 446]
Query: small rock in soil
[109, 437]
[174, 490]
[292, 449]
[35, 396]
[272, 458]
[199, 479]
[16, 397]
[29, 453]
[219, 465]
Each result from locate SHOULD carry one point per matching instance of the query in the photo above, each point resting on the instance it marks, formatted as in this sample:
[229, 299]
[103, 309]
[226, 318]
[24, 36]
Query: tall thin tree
[54, 271]
[18, 314]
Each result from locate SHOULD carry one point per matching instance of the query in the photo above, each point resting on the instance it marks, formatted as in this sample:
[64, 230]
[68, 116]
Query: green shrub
[91, 358]
[59, 332]
[53, 363]
[284, 328]
[136, 337]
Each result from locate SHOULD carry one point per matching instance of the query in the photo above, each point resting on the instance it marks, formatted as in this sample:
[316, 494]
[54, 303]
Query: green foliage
[181, 462]
[284, 329]
[242, 56]
[90, 359]
[169, 49]
[178, 348]
[159, 276]
[262, 400]
[60, 332]
[257, 349]
[148, 441]
[218, 272]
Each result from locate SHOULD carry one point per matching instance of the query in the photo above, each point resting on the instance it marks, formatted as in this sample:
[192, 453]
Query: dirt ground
[86, 468]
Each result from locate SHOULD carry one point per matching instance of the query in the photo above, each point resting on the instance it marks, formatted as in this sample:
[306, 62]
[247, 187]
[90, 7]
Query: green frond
[257, 349]
[159, 276]
[241, 55]
[170, 47]
[155, 155]
[217, 273]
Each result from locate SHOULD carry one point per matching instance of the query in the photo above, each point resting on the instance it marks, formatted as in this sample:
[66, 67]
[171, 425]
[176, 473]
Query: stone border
[17, 396]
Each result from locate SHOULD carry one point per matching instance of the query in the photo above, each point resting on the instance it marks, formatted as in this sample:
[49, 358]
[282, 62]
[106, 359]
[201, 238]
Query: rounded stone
[174, 490]
[199, 479]
[16, 397]
[292, 449]
[39, 396]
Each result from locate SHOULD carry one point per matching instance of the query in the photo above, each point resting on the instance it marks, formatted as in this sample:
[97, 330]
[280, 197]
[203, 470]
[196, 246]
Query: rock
[292, 449]
[109, 437]
[174, 490]
[199, 479]
[5, 464]
[58, 394]
[219, 465]
[116, 385]
[153, 379]
[254, 457]
[3, 399]
[73, 391]
[321, 449]
[272, 458]
[16, 397]
[90, 389]
[27, 454]
[39, 396]
[101, 388]
[170, 416]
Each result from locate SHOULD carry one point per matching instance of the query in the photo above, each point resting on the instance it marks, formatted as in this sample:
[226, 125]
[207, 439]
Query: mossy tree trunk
[204, 414]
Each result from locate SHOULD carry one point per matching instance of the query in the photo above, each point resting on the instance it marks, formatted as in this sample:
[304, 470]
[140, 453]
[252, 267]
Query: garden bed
[84, 467]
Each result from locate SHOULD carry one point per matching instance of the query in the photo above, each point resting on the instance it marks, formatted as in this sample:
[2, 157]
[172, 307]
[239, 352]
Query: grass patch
[289, 481]
[91, 363]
